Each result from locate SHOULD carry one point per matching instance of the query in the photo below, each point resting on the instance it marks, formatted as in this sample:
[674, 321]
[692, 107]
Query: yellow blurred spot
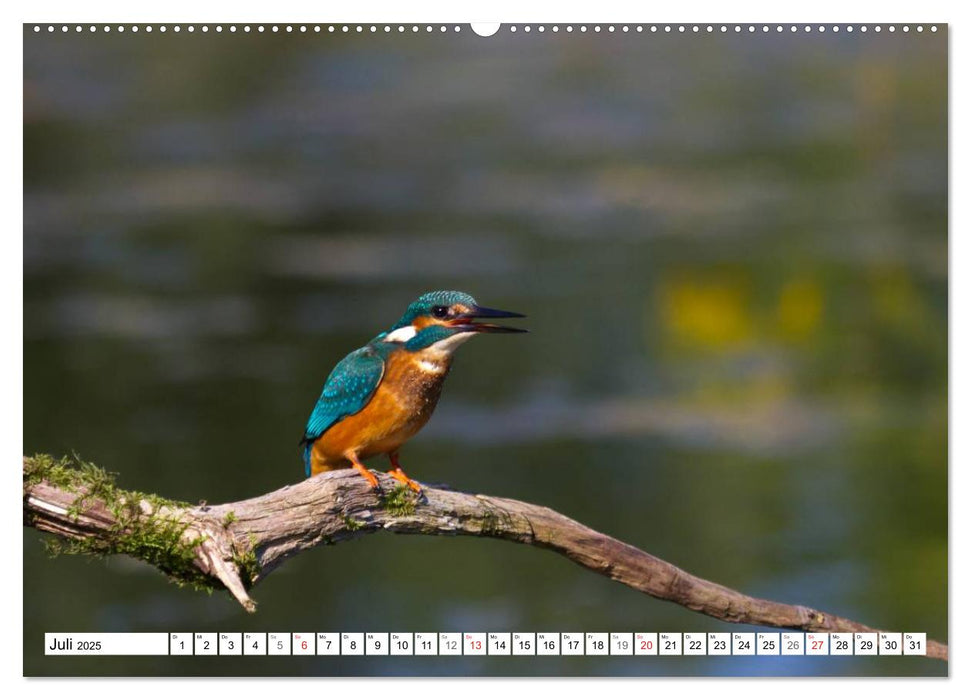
[800, 309]
[707, 314]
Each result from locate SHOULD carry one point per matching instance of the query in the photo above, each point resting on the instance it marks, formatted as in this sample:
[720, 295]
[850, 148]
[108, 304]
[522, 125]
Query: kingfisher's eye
[440, 311]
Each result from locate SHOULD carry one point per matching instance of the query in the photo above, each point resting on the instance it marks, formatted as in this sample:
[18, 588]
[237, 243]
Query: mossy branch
[236, 545]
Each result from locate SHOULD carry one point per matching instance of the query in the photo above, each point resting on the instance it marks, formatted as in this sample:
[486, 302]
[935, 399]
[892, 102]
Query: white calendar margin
[834, 11]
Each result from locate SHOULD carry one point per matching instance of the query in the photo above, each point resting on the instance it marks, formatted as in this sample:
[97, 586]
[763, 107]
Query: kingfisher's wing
[347, 390]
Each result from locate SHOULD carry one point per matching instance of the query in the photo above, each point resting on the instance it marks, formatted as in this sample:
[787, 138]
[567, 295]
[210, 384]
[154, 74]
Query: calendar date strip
[235, 545]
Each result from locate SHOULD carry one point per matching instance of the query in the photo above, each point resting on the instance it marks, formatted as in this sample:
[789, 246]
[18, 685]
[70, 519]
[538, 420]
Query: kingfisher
[381, 395]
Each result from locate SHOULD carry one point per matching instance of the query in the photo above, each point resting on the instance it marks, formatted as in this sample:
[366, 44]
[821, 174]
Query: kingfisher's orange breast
[401, 405]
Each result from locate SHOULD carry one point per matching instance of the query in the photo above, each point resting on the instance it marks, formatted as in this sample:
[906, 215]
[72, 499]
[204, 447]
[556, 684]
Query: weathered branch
[236, 545]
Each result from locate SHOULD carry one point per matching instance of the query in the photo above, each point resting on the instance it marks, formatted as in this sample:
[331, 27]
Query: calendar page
[282, 416]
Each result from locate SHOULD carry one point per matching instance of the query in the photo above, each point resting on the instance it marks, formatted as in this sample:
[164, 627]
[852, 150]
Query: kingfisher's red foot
[366, 473]
[396, 473]
[399, 474]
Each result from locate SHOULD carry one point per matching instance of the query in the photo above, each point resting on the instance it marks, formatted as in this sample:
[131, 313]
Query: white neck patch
[401, 335]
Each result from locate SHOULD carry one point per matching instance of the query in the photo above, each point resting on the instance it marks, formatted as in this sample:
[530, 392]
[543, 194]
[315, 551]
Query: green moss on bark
[146, 527]
[399, 501]
[247, 562]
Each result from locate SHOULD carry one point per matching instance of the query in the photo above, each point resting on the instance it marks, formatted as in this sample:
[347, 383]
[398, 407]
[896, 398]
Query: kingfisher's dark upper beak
[467, 322]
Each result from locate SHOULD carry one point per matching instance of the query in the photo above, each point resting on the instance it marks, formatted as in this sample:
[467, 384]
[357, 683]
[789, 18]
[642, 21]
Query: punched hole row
[428, 28]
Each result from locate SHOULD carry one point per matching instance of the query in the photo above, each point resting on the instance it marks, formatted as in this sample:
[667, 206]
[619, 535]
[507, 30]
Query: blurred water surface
[732, 251]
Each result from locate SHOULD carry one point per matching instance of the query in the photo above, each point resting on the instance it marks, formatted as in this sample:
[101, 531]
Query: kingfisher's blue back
[347, 390]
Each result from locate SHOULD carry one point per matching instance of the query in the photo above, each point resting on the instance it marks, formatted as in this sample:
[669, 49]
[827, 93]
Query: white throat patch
[447, 345]
[401, 335]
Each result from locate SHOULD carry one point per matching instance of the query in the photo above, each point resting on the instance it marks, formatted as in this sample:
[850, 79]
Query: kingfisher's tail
[308, 448]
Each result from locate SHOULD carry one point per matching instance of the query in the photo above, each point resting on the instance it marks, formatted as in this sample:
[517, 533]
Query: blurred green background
[732, 250]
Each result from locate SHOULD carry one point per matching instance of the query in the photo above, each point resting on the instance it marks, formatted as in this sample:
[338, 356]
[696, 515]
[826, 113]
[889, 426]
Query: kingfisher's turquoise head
[444, 320]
